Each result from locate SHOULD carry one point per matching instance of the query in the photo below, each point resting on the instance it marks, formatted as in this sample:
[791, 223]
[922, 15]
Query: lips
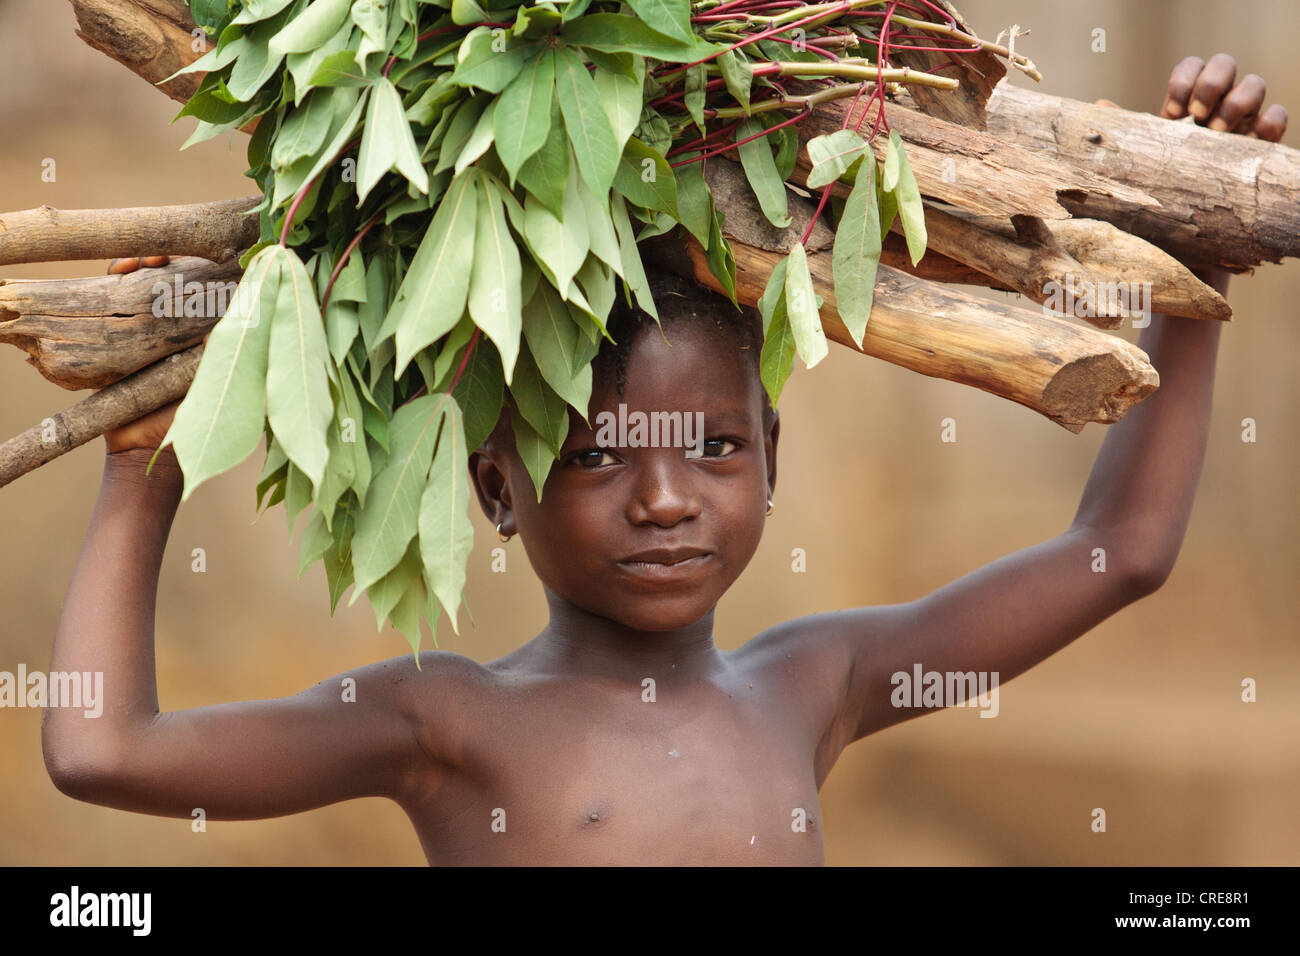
[665, 555]
[665, 564]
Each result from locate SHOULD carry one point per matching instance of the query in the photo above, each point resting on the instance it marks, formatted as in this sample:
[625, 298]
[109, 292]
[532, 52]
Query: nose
[665, 491]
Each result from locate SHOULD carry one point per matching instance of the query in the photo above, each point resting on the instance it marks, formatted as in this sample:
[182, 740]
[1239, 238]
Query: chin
[664, 619]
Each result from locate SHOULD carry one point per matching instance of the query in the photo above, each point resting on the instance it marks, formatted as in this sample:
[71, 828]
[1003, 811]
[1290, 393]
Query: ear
[769, 447]
[489, 478]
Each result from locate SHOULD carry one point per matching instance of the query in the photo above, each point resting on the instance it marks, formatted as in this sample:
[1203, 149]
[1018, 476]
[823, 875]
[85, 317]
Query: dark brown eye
[592, 458]
[714, 443]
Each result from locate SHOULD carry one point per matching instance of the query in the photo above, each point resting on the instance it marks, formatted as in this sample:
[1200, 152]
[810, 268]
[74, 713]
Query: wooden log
[88, 333]
[934, 266]
[1108, 250]
[1225, 200]
[153, 37]
[119, 404]
[1041, 259]
[216, 231]
[972, 169]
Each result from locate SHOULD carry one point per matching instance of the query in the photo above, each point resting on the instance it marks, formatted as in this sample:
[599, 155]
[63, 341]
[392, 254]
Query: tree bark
[1042, 258]
[969, 168]
[88, 333]
[117, 405]
[977, 71]
[152, 37]
[1225, 199]
[216, 231]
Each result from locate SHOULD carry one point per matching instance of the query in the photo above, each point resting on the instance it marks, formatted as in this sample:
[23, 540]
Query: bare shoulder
[821, 643]
[804, 656]
[433, 697]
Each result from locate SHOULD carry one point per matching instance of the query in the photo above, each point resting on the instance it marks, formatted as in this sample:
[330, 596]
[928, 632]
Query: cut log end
[1097, 388]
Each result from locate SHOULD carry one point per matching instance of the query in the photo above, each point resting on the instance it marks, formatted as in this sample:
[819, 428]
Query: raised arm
[1135, 508]
[234, 761]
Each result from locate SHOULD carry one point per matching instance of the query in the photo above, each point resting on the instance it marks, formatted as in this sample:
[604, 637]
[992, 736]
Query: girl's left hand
[1206, 91]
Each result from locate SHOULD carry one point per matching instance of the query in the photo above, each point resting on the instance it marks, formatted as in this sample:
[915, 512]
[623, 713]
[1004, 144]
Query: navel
[596, 815]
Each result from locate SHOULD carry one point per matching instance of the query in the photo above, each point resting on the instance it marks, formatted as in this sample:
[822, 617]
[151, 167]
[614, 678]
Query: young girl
[620, 733]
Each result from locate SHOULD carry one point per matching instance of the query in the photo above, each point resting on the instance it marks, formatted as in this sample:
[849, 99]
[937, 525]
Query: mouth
[666, 565]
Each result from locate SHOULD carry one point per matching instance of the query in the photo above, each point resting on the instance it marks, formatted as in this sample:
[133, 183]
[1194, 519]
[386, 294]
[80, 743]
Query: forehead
[690, 365]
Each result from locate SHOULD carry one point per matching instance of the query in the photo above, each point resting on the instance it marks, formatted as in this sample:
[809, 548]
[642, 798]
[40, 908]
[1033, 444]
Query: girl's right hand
[147, 432]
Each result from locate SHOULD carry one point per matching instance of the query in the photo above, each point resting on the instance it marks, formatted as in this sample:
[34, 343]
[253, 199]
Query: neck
[579, 642]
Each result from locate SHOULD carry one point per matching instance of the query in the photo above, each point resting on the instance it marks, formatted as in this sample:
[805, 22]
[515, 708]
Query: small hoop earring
[770, 508]
[503, 537]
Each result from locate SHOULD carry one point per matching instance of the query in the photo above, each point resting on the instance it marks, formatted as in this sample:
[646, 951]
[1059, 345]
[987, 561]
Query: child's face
[603, 505]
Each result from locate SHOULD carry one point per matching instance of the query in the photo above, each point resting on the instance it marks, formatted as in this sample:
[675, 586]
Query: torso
[549, 770]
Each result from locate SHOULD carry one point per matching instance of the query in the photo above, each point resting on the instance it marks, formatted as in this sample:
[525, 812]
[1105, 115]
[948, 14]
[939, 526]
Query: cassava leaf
[645, 178]
[560, 245]
[387, 143]
[297, 381]
[480, 392]
[776, 361]
[490, 58]
[522, 120]
[670, 17]
[588, 129]
[801, 307]
[544, 173]
[910, 207]
[832, 154]
[857, 252]
[620, 97]
[219, 422]
[538, 402]
[533, 452]
[446, 535]
[738, 74]
[494, 285]
[620, 33]
[760, 170]
[318, 21]
[434, 291]
[552, 338]
[389, 519]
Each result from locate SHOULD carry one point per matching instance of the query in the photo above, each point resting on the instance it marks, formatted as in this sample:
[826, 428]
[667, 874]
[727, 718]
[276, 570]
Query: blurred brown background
[1142, 716]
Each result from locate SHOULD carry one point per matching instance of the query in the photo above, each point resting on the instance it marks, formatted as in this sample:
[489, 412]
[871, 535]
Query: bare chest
[610, 782]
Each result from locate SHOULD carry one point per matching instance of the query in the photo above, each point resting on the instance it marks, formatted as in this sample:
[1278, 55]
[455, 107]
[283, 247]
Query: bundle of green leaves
[453, 192]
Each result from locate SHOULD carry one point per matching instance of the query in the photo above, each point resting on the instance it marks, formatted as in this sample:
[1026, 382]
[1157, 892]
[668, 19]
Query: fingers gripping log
[119, 404]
